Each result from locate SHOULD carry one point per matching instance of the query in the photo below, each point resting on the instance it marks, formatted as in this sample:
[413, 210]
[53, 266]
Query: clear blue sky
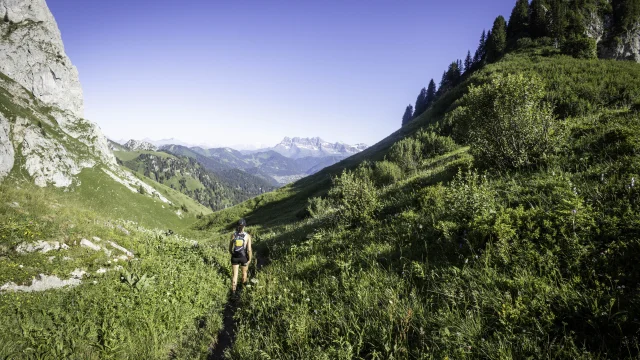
[245, 72]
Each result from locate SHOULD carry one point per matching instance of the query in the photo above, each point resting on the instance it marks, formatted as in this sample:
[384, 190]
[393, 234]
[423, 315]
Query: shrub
[386, 173]
[508, 122]
[434, 144]
[356, 197]
[319, 207]
[524, 43]
[407, 153]
[581, 48]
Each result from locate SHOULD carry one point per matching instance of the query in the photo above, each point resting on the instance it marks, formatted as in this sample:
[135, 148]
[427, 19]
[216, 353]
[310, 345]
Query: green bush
[581, 48]
[434, 144]
[508, 123]
[525, 43]
[356, 197]
[407, 153]
[386, 173]
[319, 207]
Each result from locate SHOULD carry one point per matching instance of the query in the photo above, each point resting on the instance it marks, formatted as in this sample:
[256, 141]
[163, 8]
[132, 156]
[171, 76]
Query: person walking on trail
[241, 253]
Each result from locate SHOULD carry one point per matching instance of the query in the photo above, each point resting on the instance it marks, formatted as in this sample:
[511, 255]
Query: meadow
[457, 242]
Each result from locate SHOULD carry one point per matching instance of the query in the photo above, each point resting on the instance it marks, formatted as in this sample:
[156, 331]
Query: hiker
[241, 254]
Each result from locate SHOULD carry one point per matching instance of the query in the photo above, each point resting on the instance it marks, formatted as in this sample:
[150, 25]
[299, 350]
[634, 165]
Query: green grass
[451, 261]
[113, 315]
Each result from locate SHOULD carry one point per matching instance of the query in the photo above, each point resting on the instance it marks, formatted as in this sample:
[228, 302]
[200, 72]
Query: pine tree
[497, 40]
[421, 103]
[443, 83]
[558, 19]
[408, 115]
[519, 21]
[468, 62]
[480, 51]
[431, 93]
[539, 22]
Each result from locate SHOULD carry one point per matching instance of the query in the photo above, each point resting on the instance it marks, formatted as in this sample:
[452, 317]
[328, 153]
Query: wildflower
[308, 299]
[94, 282]
[574, 211]
[20, 266]
[466, 261]
[633, 182]
[390, 302]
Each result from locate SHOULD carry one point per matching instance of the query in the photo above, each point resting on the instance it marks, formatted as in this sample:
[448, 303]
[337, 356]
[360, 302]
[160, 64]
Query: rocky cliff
[615, 39]
[32, 54]
[43, 135]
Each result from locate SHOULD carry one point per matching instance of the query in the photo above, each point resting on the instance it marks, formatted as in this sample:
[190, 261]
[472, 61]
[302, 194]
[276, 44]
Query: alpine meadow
[500, 221]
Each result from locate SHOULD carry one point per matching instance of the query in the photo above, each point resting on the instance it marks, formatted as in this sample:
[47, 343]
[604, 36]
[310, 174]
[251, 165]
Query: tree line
[558, 23]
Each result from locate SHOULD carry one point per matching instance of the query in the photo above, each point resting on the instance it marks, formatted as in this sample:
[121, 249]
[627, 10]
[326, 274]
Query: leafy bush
[407, 153]
[508, 122]
[386, 173]
[434, 144]
[525, 43]
[581, 48]
[319, 207]
[356, 197]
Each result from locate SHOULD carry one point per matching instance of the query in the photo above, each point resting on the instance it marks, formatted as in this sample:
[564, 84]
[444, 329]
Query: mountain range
[288, 161]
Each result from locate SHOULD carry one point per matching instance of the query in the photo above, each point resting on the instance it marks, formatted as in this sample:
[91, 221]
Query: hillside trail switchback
[227, 335]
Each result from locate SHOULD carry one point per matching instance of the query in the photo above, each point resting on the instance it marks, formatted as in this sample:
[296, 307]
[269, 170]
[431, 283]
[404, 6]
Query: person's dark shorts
[242, 261]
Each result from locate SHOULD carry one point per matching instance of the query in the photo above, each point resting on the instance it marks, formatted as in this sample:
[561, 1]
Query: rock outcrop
[613, 43]
[135, 145]
[32, 54]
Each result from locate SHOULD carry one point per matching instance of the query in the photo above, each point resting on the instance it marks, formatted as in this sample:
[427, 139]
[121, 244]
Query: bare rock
[88, 244]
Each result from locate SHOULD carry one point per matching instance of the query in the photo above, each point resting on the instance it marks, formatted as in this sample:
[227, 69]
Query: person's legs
[244, 274]
[234, 280]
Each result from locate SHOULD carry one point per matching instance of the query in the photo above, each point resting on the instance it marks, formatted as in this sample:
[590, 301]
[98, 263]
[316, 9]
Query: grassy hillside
[442, 251]
[191, 178]
[136, 290]
[142, 306]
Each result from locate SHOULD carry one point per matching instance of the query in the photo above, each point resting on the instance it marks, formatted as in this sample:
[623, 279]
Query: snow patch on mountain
[315, 147]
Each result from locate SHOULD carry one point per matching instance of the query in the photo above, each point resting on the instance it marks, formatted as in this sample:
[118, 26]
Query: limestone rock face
[32, 54]
[7, 154]
[627, 47]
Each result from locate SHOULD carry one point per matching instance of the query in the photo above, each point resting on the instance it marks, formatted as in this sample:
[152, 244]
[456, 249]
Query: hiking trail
[227, 335]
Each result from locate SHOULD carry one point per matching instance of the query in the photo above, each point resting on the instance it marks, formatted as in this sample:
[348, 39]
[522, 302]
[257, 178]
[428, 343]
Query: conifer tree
[480, 51]
[408, 115]
[421, 103]
[539, 22]
[557, 19]
[519, 21]
[431, 93]
[443, 84]
[497, 42]
[468, 62]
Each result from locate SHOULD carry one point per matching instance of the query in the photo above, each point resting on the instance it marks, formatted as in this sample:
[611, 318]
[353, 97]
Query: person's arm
[231, 245]
[249, 249]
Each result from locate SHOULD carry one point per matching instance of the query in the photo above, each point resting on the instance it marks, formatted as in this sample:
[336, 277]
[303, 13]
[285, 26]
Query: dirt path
[227, 336]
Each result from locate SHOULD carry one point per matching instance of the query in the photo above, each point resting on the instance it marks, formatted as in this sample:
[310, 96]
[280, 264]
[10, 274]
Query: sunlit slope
[576, 87]
[503, 224]
[91, 270]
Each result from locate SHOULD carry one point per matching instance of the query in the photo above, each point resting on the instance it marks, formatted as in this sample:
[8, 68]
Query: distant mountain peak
[136, 145]
[298, 147]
